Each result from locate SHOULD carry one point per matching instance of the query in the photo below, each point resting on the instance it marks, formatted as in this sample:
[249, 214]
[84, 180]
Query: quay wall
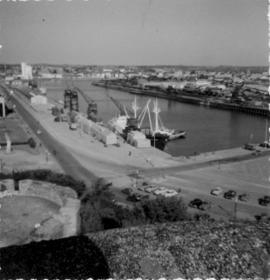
[189, 99]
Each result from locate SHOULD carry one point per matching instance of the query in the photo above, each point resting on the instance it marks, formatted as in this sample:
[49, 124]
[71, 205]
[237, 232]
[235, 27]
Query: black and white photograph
[134, 139]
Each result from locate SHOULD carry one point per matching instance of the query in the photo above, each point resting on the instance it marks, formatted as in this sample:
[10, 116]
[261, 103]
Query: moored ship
[156, 132]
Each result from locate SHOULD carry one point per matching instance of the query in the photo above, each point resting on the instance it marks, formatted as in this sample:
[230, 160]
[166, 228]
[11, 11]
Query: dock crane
[92, 105]
[124, 111]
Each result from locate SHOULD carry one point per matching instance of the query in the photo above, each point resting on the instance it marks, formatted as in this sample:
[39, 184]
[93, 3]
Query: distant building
[200, 83]
[16, 83]
[26, 71]
[9, 79]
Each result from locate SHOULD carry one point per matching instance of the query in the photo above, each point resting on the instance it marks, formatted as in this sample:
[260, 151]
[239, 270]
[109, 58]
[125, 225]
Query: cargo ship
[157, 133]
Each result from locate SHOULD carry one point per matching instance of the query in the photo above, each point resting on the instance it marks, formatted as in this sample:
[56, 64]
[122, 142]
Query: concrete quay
[184, 97]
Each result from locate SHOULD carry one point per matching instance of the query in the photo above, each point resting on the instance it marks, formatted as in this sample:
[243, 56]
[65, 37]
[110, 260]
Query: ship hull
[177, 135]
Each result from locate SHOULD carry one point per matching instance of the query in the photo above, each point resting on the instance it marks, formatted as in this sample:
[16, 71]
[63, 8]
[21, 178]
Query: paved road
[69, 164]
[175, 169]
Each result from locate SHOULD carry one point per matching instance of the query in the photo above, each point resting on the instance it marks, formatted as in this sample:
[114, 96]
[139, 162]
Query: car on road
[134, 197]
[243, 197]
[169, 193]
[265, 144]
[230, 194]
[249, 147]
[159, 191]
[151, 189]
[121, 204]
[141, 188]
[263, 216]
[39, 132]
[217, 191]
[195, 202]
[199, 204]
[127, 191]
[264, 201]
[145, 196]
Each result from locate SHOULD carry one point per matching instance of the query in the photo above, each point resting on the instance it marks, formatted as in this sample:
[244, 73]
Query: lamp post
[235, 207]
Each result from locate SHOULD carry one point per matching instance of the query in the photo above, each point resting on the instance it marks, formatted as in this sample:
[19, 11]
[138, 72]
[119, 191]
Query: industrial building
[38, 100]
[101, 133]
[26, 71]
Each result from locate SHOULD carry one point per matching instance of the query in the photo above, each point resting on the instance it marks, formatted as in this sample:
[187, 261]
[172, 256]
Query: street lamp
[235, 207]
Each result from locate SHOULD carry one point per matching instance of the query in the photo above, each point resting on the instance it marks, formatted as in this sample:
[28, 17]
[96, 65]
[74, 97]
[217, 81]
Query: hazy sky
[189, 32]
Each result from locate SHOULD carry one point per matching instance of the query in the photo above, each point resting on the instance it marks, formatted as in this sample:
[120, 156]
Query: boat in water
[172, 134]
[158, 129]
[156, 132]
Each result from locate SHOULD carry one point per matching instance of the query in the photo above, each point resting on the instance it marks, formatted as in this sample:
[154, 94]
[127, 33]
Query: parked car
[39, 132]
[195, 202]
[204, 206]
[243, 197]
[199, 204]
[159, 191]
[264, 201]
[141, 188]
[150, 189]
[169, 193]
[265, 144]
[263, 216]
[249, 147]
[127, 191]
[134, 197]
[145, 196]
[217, 191]
[230, 194]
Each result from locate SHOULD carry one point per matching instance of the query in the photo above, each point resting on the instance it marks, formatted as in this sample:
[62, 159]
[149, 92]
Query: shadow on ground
[74, 257]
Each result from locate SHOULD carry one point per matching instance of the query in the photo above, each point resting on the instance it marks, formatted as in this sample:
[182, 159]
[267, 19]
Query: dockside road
[70, 165]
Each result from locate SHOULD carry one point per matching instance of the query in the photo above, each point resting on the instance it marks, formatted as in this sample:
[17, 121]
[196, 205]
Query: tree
[164, 209]
[90, 219]
[97, 207]
[32, 143]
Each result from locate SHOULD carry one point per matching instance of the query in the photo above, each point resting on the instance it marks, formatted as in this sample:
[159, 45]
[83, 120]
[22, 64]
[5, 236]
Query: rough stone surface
[187, 249]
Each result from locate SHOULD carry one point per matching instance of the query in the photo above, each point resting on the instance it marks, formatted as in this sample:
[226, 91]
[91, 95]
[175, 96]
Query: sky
[135, 32]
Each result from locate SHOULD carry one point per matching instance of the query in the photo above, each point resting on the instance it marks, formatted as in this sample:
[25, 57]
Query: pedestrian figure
[129, 153]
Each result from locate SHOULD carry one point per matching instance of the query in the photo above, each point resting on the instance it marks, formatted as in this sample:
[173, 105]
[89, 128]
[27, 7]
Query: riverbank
[185, 97]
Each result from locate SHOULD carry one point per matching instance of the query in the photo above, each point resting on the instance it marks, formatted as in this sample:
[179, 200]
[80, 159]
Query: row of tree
[99, 212]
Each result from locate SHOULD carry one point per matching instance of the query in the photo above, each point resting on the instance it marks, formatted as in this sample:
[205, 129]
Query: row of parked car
[253, 147]
[150, 189]
[156, 190]
[231, 194]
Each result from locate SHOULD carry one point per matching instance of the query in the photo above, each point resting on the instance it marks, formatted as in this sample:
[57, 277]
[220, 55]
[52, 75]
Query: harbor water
[207, 129]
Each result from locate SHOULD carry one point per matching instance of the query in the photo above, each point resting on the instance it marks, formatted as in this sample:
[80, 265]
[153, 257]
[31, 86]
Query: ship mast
[267, 128]
[135, 107]
[156, 112]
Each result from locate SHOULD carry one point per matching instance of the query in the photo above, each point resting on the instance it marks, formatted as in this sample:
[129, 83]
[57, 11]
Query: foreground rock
[183, 249]
[187, 249]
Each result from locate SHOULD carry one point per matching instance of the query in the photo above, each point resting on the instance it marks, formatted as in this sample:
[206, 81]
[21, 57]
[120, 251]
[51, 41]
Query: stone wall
[67, 219]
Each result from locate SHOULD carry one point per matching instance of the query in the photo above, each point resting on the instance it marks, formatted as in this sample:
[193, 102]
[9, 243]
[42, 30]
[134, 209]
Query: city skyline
[140, 32]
